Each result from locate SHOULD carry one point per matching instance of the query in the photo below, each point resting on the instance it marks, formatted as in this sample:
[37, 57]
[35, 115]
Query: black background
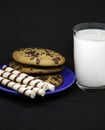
[49, 24]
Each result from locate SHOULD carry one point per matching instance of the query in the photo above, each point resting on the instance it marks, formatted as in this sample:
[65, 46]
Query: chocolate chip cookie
[55, 79]
[38, 57]
[32, 69]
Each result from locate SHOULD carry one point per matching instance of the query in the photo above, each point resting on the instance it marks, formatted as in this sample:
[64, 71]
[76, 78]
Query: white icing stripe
[50, 87]
[22, 74]
[18, 79]
[25, 81]
[11, 77]
[11, 84]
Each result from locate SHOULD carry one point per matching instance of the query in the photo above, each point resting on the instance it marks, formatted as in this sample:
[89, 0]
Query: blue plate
[68, 77]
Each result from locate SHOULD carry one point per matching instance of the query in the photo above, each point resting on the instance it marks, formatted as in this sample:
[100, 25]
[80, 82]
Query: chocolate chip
[44, 78]
[56, 60]
[37, 61]
[36, 54]
[31, 53]
[31, 58]
[48, 53]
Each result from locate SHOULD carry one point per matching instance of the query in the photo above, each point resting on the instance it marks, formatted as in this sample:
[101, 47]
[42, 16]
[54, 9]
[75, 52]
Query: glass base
[90, 88]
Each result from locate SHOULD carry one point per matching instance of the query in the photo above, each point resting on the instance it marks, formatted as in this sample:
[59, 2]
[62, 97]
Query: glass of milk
[89, 55]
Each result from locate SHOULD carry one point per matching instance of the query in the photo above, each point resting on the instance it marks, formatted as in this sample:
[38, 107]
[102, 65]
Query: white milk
[89, 57]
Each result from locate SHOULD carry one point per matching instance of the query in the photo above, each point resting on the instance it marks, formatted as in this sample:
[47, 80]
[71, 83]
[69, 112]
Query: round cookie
[31, 69]
[56, 79]
[38, 57]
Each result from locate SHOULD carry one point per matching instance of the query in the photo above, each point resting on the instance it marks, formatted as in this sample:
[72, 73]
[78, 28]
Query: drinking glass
[89, 55]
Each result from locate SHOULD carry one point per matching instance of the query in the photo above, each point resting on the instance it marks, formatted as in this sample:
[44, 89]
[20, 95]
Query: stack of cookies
[44, 64]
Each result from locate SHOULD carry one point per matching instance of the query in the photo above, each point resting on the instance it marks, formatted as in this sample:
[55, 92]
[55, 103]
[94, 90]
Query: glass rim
[98, 25]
